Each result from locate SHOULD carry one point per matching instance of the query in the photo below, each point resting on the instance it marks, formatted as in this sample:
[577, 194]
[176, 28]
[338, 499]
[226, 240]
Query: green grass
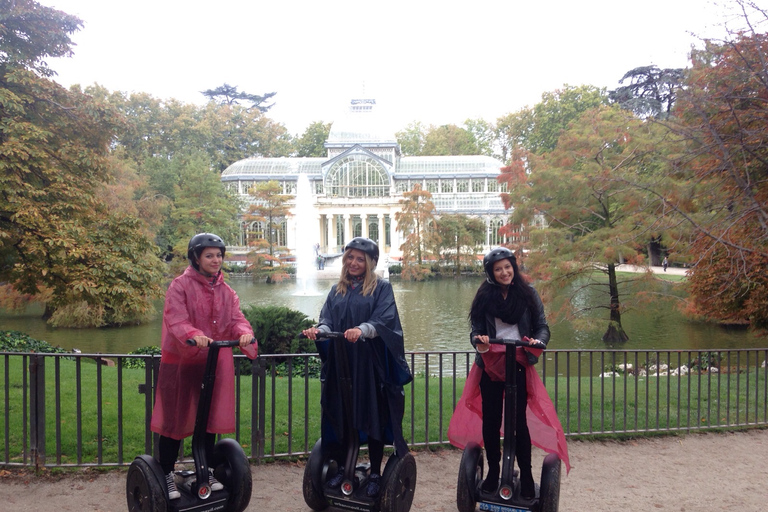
[586, 406]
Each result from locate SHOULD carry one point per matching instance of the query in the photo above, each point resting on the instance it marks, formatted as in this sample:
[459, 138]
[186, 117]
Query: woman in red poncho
[506, 306]
[199, 305]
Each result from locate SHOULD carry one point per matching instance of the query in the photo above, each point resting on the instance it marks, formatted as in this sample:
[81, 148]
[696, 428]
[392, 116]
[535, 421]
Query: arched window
[495, 237]
[357, 176]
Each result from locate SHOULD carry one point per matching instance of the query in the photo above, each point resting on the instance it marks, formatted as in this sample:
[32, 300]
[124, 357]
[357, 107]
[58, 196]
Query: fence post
[37, 410]
[258, 407]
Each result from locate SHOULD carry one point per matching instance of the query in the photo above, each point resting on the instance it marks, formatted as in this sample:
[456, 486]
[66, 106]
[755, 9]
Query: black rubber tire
[399, 485]
[313, 497]
[465, 493]
[233, 470]
[549, 493]
[142, 489]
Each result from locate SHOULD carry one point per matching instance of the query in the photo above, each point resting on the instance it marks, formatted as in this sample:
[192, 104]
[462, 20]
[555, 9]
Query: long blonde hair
[369, 281]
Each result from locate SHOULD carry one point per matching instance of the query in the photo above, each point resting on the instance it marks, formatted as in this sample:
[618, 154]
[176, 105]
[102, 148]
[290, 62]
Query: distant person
[362, 306]
[665, 263]
[506, 306]
[199, 305]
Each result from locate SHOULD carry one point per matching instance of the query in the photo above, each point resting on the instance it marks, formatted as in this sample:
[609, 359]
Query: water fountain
[306, 256]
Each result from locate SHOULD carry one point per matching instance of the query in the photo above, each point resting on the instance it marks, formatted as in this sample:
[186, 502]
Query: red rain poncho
[545, 428]
[194, 306]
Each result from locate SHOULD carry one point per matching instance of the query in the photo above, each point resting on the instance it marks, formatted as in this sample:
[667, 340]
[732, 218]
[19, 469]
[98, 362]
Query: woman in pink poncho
[506, 306]
[199, 305]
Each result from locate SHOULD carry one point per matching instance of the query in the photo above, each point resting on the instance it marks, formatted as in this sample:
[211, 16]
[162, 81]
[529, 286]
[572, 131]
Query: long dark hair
[489, 296]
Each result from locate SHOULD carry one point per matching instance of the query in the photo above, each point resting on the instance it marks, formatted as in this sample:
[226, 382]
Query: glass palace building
[356, 189]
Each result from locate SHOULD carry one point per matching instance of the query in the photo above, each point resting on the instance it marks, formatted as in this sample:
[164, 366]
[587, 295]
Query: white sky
[436, 62]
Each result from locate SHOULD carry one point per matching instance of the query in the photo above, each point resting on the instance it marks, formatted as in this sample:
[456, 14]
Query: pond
[433, 314]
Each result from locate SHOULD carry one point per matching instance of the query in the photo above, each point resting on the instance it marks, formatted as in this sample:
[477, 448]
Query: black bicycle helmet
[199, 242]
[366, 245]
[498, 254]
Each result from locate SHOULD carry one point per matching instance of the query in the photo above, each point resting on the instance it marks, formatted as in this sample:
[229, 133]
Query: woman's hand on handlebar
[245, 340]
[201, 340]
[311, 333]
[353, 334]
[483, 343]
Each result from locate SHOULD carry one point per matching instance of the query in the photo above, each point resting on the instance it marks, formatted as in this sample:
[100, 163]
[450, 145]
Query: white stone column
[395, 239]
[331, 219]
[347, 229]
[364, 225]
[382, 236]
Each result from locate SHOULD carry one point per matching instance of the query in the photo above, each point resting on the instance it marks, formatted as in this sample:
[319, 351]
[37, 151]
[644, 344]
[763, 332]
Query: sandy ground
[691, 473]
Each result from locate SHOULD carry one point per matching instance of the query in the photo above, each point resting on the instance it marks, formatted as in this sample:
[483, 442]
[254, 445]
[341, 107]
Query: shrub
[139, 362]
[277, 328]
[15, 341]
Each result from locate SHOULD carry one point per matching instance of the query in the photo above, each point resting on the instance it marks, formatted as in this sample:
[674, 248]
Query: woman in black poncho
[362, 306]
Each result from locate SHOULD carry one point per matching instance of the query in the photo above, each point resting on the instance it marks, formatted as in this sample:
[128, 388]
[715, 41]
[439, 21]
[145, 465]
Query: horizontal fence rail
[95, 409]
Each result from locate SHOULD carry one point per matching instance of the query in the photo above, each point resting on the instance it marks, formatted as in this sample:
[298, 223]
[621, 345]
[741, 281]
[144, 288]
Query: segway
[507, 497]
[398, 481]
[146, 489]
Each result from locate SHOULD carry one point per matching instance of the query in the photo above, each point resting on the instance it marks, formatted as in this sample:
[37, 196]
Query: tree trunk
[615, 332]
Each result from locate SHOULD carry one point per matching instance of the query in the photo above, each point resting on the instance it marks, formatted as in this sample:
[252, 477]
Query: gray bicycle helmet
[498, 254]
[366, 245]
[199, 242]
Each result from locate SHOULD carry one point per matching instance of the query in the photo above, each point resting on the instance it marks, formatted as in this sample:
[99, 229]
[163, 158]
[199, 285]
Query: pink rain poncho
[196, 306]
[467, 420]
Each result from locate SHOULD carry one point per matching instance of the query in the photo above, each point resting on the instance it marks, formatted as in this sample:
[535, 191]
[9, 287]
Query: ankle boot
[527, 486]
[491, 482]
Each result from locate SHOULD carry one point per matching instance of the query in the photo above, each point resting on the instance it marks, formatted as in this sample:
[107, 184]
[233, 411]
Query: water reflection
[434, 317]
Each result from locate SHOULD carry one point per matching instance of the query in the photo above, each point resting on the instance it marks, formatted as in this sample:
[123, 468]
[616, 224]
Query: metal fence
[95, 409]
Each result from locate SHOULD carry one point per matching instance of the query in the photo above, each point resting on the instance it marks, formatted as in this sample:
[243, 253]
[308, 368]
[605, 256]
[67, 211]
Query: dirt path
[692, 473]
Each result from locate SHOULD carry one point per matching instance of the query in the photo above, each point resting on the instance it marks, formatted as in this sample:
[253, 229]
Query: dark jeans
[168, 450]
[493, 407]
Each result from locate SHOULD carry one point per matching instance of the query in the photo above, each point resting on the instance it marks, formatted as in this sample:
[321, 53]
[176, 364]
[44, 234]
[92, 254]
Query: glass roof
[476, 164]
[273, 166]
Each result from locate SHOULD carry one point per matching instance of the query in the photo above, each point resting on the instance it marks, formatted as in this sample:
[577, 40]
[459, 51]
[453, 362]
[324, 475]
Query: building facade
[355, 190]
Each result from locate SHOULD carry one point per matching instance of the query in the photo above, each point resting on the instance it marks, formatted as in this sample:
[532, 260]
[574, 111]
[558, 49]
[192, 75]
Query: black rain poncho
[378, 367]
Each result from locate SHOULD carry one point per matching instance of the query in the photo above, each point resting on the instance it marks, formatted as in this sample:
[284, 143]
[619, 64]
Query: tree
[554, 112]
[229, 95]
[513, 130]
[723, 116]
[60, 242]
[312, 141]
[449, 139]
[595, 219]
[460, 237]
[411, 139]
[651, 91]
[484, 134]
[201, 204]
[413, 220]
[269, 210]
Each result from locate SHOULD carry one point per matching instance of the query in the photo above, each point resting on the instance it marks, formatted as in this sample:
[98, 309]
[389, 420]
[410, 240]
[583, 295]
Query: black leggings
[492, 393]
[168, 450]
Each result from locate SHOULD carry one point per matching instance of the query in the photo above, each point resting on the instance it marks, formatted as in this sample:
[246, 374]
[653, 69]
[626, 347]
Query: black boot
[527, 486]
[491, 482]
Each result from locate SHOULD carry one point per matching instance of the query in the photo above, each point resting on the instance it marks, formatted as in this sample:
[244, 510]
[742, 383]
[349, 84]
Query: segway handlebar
[329, 335]
[221, 344]
[526, 342]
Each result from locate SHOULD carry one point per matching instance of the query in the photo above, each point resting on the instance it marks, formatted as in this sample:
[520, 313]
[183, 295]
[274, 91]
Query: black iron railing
[95, 409]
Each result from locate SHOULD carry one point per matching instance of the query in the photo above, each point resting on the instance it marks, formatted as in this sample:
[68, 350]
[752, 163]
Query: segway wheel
[232, 469]
[313, 496]
[399, 484]
[470, 476]
[142, 489]
[549, 494]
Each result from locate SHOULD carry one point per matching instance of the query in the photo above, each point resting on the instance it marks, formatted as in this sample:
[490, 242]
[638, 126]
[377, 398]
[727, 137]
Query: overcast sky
[436, 62]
